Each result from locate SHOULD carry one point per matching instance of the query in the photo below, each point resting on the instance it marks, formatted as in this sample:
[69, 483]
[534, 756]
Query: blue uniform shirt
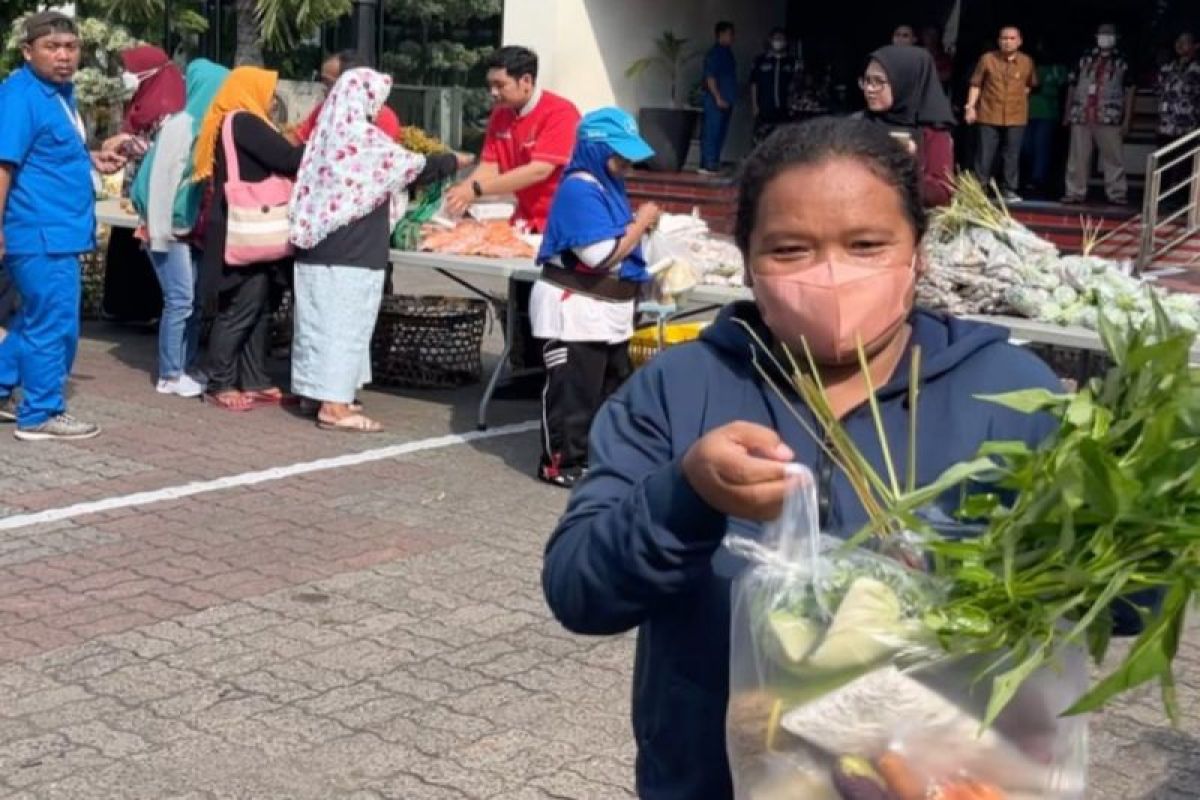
[721, 65]
[51, 206]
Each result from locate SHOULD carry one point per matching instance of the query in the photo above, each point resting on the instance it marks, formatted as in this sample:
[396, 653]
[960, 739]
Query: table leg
[507, 333]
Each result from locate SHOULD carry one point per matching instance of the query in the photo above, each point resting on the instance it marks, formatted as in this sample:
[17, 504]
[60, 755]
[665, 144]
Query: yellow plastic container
[646, 342]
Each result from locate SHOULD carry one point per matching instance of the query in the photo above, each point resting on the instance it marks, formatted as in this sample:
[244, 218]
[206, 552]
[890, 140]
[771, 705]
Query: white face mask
[778, 44]
[130, 82]
[1106, 41]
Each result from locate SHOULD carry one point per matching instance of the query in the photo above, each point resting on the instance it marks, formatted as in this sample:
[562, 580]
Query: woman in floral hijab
[341, 224]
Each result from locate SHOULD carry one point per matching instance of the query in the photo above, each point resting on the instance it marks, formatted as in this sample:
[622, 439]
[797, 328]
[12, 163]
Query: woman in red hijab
[158, 89]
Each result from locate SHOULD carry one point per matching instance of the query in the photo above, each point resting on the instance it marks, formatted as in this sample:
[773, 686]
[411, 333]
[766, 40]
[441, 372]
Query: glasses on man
[872, 83]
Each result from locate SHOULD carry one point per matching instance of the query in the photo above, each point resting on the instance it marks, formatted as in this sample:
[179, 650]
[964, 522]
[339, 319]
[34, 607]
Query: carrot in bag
[900, 777]
[966, 790]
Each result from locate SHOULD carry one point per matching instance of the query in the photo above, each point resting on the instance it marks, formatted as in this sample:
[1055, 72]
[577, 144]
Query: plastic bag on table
[669, 261]
[838, 690]
[424, 205]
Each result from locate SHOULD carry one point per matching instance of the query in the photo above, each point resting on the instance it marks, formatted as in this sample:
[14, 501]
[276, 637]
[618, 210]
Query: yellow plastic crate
[646, 343]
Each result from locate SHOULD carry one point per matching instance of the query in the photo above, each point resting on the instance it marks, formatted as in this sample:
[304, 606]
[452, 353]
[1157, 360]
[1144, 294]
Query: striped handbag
[257, 218]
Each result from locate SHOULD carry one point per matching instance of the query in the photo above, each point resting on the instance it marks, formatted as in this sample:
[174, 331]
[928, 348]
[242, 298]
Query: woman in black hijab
[902, 92]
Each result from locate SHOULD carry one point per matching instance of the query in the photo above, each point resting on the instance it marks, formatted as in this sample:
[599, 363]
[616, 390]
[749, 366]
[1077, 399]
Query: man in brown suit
[999, 101]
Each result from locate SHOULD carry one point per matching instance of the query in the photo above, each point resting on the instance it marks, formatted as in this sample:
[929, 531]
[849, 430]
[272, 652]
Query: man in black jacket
[776, 70]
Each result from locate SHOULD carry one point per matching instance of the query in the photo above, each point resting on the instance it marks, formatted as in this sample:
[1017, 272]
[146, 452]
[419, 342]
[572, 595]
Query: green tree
[281, 24]
[144, 19]
[438, 41]
[275, 24]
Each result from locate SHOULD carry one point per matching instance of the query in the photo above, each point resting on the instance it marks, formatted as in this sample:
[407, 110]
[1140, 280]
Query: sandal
[271, 397]
[354, 423]
[313, 407]
[229, 400]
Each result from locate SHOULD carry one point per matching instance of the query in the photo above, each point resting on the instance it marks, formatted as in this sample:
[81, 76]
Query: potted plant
[668, 130]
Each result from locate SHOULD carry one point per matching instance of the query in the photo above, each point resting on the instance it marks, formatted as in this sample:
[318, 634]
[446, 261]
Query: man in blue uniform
[47, 208]
[720, 92]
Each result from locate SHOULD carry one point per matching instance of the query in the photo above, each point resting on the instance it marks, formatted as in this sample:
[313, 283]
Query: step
[714, 197]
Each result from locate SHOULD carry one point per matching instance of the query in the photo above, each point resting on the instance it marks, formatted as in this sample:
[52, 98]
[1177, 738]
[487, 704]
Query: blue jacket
[638, 548]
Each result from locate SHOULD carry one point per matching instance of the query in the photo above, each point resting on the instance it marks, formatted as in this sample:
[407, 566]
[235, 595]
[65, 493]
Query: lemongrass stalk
[857, 470]
[855, 465]
[914, 376]
[819, 405]
[765, 375]
[859, 473]
[877, 417]
[833, 424]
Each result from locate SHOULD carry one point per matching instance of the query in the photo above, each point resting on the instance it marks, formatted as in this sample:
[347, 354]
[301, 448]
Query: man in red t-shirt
[332, 69]
[528, 141]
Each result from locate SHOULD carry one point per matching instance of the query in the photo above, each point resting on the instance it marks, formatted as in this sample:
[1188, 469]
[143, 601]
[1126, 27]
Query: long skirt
[336, 307]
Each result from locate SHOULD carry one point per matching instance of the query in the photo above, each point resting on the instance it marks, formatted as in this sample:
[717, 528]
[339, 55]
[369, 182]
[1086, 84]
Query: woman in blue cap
[592, 272]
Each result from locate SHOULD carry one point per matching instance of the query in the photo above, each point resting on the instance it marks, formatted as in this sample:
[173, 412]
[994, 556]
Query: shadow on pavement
[1183, 769]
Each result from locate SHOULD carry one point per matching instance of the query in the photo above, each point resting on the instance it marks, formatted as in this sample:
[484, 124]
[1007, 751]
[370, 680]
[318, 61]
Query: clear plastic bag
[668, 260]
[839, 692]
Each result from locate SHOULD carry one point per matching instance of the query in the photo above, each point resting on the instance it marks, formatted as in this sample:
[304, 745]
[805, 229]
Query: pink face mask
[832, 306]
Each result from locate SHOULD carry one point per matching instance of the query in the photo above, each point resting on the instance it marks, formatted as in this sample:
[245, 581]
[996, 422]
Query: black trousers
[240, 337]
[990, 137]
[8, 296]
[580, 376]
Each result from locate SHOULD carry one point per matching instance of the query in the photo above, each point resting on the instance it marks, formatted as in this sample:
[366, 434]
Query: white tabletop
[109, 212]
[523, 269]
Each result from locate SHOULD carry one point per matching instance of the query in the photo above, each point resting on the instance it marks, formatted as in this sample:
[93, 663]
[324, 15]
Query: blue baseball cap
[618, 130]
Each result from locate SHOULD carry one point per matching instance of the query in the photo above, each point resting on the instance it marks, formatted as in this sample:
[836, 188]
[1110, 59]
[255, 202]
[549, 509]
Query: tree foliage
[438, 41]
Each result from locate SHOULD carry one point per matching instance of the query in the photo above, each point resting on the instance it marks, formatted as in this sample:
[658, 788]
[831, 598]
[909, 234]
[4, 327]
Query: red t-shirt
[546, 134]
[387, 121]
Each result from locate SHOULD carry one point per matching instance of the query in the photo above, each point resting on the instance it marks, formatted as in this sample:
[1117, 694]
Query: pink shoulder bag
[257, 220]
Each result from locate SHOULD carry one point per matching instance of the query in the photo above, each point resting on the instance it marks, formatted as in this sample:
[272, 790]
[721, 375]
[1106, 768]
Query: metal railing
[1165, 229]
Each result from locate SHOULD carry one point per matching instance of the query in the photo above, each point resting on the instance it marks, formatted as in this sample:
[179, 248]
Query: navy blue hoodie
[638, 548]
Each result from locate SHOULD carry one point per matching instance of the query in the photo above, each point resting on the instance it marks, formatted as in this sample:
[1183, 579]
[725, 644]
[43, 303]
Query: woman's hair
[820, 140]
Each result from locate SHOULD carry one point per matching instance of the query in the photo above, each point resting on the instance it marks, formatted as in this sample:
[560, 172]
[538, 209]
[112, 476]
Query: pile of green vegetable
[1107, 512]
[1105, 515]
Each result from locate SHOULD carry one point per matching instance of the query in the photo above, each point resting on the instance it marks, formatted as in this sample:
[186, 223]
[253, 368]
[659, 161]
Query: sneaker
[710, 173]
[8, 409]
[562, 478]
[64, 426]
[1012, 197]
[1071, 200]
[183, 386]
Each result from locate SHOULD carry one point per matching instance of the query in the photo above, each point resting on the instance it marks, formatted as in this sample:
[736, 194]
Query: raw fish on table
[496, 239]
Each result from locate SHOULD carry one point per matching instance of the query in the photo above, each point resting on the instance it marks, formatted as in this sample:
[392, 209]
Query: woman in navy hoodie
[695, 445]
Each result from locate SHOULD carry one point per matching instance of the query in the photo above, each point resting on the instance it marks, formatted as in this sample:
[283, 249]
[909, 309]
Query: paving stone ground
[375, 631]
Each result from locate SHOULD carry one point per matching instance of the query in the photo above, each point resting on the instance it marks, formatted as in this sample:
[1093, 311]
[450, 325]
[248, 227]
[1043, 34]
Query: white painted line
[260, 476]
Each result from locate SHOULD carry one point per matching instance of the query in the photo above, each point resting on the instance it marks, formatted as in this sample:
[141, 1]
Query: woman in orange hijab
[238, 344]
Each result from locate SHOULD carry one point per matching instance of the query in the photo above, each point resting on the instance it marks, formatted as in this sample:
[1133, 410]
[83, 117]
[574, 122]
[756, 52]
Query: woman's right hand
[741, 469]
[648, 215]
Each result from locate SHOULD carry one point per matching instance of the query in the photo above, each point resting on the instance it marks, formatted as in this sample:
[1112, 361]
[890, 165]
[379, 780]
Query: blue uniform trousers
[42, 336]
